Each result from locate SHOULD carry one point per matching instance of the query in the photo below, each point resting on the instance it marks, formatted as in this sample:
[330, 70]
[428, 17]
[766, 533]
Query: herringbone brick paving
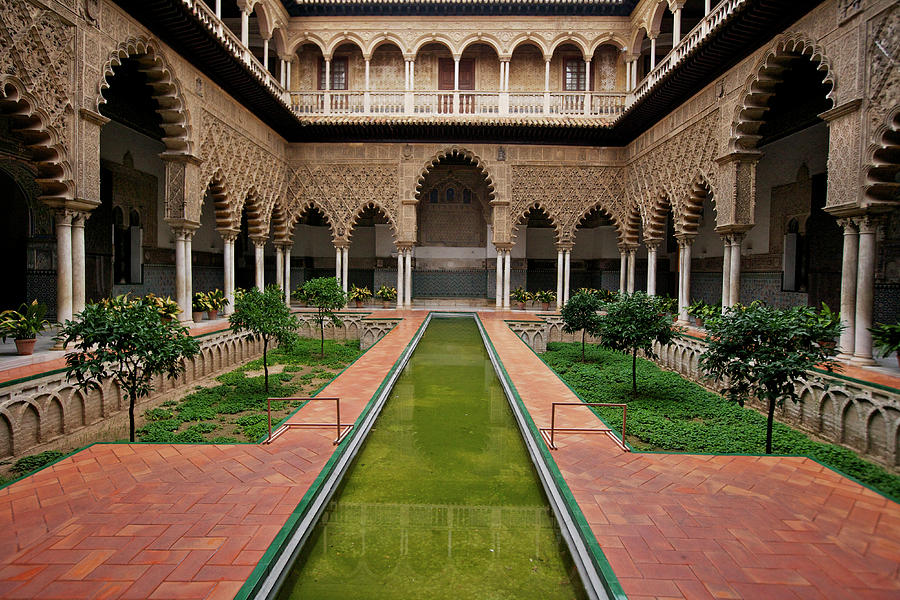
[182, 521]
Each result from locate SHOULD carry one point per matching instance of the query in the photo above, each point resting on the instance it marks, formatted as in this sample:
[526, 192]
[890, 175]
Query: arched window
[433, 196]
[451, 196]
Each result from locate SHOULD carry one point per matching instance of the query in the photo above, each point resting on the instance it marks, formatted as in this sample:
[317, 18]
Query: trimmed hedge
[671, 413]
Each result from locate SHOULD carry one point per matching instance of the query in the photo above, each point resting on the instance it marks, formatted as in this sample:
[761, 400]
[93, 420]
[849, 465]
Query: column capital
[64, 217]
[183, 225]
[868, 224]
[685, 239]
[652, 244]
[848, 225]
[259, 242]
[229, 235]
[676, 4]
[564, 246]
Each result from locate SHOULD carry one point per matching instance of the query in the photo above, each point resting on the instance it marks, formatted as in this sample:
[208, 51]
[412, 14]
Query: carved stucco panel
[882, 81]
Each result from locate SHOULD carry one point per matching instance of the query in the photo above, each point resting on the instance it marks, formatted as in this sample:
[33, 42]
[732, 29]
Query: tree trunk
[131, 417]
[634, 371]
[769, 421]
[265, 364]
[322, 339]
[582, 345]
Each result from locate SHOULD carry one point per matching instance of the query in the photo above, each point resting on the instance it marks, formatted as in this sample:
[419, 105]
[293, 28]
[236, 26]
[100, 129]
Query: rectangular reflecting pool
[442, 501]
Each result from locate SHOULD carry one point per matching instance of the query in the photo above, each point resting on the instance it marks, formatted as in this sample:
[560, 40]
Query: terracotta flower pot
[545, 306]
[386, 303]
[359, 304]
[25, 347]
[213, 314]
[198, 316]
[520, 305]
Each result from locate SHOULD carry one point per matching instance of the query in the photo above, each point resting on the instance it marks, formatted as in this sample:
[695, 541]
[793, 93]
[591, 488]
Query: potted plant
[359, 294]
[887, 339]
[702, 312]
[199, 306]
[667, 304]
[387, 295]
[606, 296]
[824, 320]
[300, 296]
[168, 308]
[545, 297]
[24, 325]
[520, 297]
[215, 302]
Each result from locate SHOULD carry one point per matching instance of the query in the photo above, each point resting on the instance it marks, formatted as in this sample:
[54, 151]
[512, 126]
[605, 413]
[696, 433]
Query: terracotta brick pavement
[688, 526]
[169, 521]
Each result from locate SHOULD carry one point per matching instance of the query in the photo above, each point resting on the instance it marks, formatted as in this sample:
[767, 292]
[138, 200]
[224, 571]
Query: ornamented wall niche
[452, 209]
[132, 189]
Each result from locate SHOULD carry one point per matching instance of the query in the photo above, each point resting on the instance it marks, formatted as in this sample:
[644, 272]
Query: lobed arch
[167, 90]
[254, 204]
[655, 222]
[598, 205]
[300, 209]
[551, 214]
[630, 232]
[43, 140]
[217, 191]
[883, 161]
[768, 72]
[575, 39]
[687, 214]
[376, 205]
[455, 151]
[280, 224]
[527, 38]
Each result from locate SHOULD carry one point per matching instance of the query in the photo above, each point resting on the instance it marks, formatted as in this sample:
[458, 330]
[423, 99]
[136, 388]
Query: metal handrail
[549, 435]
[341, 429]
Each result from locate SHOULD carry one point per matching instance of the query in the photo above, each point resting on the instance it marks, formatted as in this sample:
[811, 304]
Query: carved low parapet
[357, 326]
[50, 413]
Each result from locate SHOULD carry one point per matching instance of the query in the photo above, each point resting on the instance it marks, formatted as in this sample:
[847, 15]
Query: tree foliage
[762, 352]
[635, 322]
[326, 296]
[127, 340]
[580, 313]
[266, 315]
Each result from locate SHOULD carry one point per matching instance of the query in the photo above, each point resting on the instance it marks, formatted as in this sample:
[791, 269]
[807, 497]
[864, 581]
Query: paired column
[78, 260]
[726, 271]
[652, 248]
[338, 269]
[345, 265]
[865, 290]
[259, 247]
[184, 292]
[407, 295]
[632, 259]
[228, 238]
[400, 278]
[734, 295]
[560, 298]
[287, 273]
[499, 287]
[507, 275]
[684, 277]
[848, 286]
[279, 266]
[64, 265]
[567, 271]
[623, 270]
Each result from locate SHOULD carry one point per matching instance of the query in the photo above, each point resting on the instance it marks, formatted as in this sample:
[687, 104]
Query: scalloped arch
[296, 211]
[48, 152]
[601, 205]
[765, 75]
[166, 90]
[451, 152]
[883, 161]
[371, 204]
[554, 218]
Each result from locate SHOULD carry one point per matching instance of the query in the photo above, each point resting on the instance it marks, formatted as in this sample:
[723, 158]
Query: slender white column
[266, 54]
[499, 282]
[676, 28]
[685, 285]
[245, 28]
[628, 76]
[64, 265]
[587, 74]
[288, 78]
[502, 73]
[279, 267]
[281, 79]
[227, 269]
[412, 75]
[632, 259]
[652, 53]
[734, 295]
[546, 75]
[406, 75]
[651, 268]
[400, 280]
[287, 275]
[367, 74]
[507, 277]
[726, 272]
[327, 74]
[848, 286]
[560, 298]
[408, 294]
[189, 266]
[623, 270]
[455, 74]
[865, 282]
[338, 271]
[567, 272]
[258, 251]
[78, 259]
[180, 275]
[706, 7]
[346, 266]
[218, 9]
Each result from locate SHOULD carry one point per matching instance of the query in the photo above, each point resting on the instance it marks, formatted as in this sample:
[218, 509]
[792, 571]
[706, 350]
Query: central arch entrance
[454, 252]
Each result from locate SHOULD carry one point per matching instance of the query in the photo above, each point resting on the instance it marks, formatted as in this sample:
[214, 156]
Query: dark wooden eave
[393, 8]
[745, 31]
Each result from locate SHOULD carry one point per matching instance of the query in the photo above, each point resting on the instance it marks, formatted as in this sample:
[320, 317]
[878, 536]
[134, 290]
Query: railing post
[269, 411]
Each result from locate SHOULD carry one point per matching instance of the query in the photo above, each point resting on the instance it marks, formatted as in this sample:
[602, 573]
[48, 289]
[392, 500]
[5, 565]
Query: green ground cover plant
[670, 413]
[234, 410]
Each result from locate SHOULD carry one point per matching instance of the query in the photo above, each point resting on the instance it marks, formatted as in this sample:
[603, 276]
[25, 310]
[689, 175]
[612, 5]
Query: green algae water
[442, 501]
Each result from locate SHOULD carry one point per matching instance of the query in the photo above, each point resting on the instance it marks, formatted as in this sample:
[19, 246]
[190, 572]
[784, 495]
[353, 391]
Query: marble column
[189, 267]
[507, 276]
[676, 27]
[400, 278]
[848, 286]
[64, 265]
[407, 300]
[338, 271]
[78, 263]
[652, 53]
[228, 238]
[652, 247]
[279, 267]
[560, 298]
[684, 285]
[734, 294]
[865, 291]
[245, 28]
[259, 247]
[632, 259]
[287, 274]
[499, 282]
[567, 274]
[726, 271]
[623, 270]
[345, 265]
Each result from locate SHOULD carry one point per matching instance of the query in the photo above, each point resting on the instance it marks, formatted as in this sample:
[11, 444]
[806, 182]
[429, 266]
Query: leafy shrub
[27, 464]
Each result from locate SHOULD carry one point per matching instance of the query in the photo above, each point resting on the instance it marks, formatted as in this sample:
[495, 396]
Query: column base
[862, 361]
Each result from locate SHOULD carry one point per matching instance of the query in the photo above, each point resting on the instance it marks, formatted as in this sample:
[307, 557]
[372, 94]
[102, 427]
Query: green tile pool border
[263, 567]
[671, 452]
[610, 580]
